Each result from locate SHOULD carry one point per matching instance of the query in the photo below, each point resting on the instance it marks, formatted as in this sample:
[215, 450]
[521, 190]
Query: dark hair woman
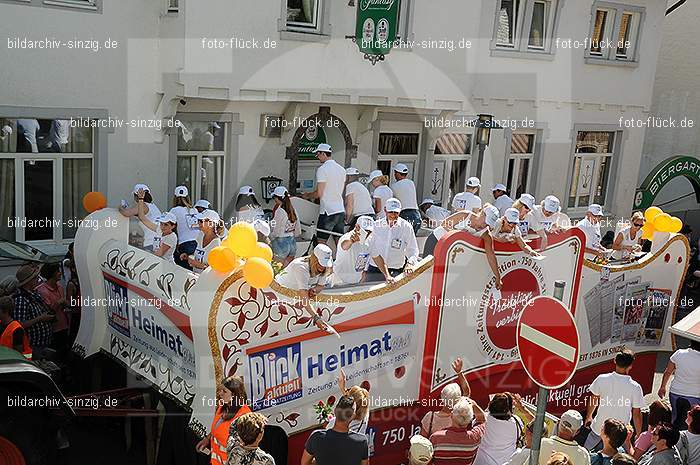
[285, 226]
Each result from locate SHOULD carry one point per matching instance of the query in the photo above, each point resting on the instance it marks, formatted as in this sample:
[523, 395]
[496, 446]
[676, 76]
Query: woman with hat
[247, 206]
[285, 227]
[30, 309]
[211, 229]
[381, 193]
[152, 212]
[358, 201]
[187, 225]
[165, 240]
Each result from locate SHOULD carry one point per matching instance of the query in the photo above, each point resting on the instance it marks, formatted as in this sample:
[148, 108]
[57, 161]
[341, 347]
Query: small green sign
[313, 136]
[375, 30]
[688, 167]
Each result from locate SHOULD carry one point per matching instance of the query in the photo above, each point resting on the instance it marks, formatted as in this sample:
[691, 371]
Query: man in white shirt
[27, 130]
[433, 214]
[590, 225]
[358, 202]
[548, 214]
[501, 199]
[352, 255]
[468, 200]
[567, 429]
[392, 247]
[617, 396]
[330, 181]
[529, 222]
[59, 135]
[405, 191]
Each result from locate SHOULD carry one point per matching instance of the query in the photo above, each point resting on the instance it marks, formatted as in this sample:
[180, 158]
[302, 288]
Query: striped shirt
[456, 446]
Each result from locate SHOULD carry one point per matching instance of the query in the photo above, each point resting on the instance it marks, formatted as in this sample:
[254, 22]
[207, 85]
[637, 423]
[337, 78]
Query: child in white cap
[187, 225]
[152, 212]
[165, 239]
[285, 227]
[211, 230]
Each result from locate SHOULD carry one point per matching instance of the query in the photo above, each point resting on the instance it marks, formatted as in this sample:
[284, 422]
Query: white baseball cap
[421, 450]
[473, 182]
[499, 187]
[262, 227]
[352, 171]
[323, 148]
[492, 215]
[246, 190]
[139, 187]
[471, 201]
[167, 217]
[393, 205]
[595, 209]
[202, 203]
[428, 201]
[366, 223]
[551, 204]
[280, 191]
[401, 168]
[210, 215]
[527, 200]
[375, 174]
[571, 420]
[181, 191]
[512, 215]
[324, 255]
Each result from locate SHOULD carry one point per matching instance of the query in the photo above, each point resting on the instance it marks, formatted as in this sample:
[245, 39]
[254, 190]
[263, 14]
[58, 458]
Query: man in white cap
[405, 190]
[330, 181]
[525, 206]
[548, 214]
[590, 225]
[421, 450]
[431, 213]
[507, 230]
[358, 202]
[468, 200]
[392, 247]
[567, 429]
[501, 199]
[353, 254]
[152, 212]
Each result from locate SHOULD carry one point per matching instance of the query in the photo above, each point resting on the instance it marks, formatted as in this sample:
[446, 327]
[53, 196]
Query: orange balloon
[263, 251]
[93, 201]
[222, 259]
[258, 272]
[648, 230]
[242, 238]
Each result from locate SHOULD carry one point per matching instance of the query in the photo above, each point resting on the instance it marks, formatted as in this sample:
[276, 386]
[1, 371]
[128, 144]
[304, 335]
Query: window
[451, 165]
[615, 32]
[525, 25]
[88, 6]
[591, 168]
[397, 143]
[404, 30]
[46, 167]
[303, 15]
[522, 148]
[200, 160]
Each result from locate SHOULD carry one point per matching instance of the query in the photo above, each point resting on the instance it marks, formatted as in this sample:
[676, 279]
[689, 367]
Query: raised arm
[491, 259]
[142, 210]
[457, 366]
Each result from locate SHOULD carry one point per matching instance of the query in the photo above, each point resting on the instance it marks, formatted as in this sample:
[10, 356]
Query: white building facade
[249, 82]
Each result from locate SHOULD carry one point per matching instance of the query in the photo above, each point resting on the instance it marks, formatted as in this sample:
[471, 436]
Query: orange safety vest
[8, 335]
[220, 433]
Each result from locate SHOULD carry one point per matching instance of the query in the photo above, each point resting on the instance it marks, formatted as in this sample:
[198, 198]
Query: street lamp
[484, 124]
[268, 185]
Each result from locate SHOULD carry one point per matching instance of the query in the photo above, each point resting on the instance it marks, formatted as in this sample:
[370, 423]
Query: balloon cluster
[657, 220]
[93, 201]
[242, 243]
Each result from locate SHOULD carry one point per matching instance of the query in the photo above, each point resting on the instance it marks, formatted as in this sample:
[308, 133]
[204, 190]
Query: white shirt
[333, 175]
[466, 201]
[627, 241]
[297, 275]
[394, 244]
[169, 240]
[356, 426]
[29, 128]
[60, 129]
[505, 236]
[560, 219]
[592, 232]
[382, 193]
[693, 447]
[349, 264]
[436, 214]
[250, 215]
[282, 227]
[686, 379]
[498, 442]
[153, 214]
[201, 253]
[577, 454]
[520, 456]
[503, 203]
[528, 223]
[405, 191]
[361, 200]
[619, 394]
[187, 224]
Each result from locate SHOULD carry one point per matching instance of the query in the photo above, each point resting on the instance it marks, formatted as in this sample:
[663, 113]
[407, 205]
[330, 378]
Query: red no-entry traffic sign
[548, 342]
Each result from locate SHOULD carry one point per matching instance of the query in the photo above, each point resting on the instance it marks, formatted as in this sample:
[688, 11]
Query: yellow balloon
[676, 224]
[263, 251]
[257, 272]
[662, 222]
[648, 230]
[242, 239]
[222, 259]
[651, 212]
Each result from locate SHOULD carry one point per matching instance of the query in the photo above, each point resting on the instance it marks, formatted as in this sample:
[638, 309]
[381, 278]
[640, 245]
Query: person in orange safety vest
[12, 334]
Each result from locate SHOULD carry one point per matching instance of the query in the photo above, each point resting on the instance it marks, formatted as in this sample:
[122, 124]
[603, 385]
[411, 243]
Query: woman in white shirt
[152, 212]
[187, 225]
[247, 206]
[382, 192]
[352, 255]
[683, 366]
[357, 199]
[507, 230]
[503, 430]
[629, 239]
[165, 239]
[285, 227]
[211, 229]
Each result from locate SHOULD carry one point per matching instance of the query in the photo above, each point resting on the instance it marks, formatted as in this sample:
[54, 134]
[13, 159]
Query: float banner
[307, 366]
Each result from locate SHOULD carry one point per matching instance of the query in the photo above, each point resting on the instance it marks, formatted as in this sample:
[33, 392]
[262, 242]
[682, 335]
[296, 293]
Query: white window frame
[172, 6]
[89, 6]
[404, 27]
[611, 33]
[612, 158]
[196, 193]
[319, 31]
[523, 23]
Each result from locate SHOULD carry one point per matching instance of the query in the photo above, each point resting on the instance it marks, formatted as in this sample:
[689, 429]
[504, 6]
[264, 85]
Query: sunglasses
[512, 223]
[638, 225]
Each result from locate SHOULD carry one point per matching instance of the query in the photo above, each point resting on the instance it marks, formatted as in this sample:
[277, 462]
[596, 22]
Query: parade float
[184, 332]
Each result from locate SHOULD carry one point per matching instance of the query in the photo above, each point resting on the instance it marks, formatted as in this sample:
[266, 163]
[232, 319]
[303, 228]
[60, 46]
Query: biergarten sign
[662, 174]
[313, 135]
[375, 29]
